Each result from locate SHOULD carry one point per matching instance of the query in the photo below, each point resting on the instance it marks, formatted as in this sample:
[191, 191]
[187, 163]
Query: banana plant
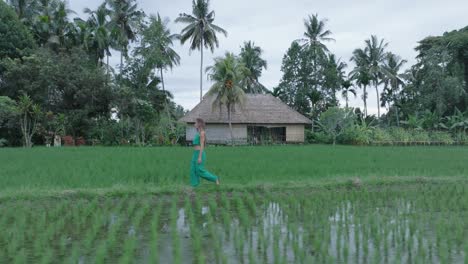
[414, 122]
[458, 122]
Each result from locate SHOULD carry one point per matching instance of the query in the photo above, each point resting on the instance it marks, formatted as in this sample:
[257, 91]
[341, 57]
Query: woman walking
[197, 168]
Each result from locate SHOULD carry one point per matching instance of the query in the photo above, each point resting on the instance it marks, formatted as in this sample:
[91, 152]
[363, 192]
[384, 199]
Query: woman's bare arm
[202, 146]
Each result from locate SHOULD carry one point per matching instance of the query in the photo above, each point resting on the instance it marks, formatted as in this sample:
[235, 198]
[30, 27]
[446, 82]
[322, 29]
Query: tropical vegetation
[61, 63]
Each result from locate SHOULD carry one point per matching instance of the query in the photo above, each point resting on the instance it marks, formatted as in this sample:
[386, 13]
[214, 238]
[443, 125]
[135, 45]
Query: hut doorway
[266, 134]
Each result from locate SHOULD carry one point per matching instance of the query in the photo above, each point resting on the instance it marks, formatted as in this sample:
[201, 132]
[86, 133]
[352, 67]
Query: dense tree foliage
[251, 57]
[56, 74]
[428, 95]
[15, 39]
[55, 77]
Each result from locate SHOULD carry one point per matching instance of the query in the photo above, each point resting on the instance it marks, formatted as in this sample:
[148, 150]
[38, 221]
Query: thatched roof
[257, 109]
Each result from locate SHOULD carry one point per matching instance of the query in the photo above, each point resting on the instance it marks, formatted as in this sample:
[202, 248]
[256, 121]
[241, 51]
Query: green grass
[164, 168]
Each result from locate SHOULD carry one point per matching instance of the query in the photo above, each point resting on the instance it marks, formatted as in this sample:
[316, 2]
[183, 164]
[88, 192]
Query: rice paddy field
[284, 204]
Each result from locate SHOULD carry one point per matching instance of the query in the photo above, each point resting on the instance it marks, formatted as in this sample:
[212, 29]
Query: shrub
[400, 135]
[68, 141]
[80, 141]
[335, 121]
[3, 142]
[318, 138]
[441, 137]
[381, 136]
[461, 138]
[420, 136]
[355, 135]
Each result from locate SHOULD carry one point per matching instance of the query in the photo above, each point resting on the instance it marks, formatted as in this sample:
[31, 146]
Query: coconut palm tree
[392, 79]
[347, 88]
[360, 73]
[200, 30]
[98, 29]
[334, 75]
[156, 46]
[314, 37]
[51, 26]
[125, 20]
[376, 53]
[227, 74]
[251, 56]
[26, 9]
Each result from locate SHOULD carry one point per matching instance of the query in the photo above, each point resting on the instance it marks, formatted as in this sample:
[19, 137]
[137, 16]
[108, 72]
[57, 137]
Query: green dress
[198, 171]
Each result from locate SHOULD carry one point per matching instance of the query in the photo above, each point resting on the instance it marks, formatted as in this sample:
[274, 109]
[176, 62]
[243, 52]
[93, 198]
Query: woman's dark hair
[201, 123]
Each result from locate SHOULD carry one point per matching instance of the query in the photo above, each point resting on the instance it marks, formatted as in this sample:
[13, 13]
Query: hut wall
[219, 133]
[295, 133]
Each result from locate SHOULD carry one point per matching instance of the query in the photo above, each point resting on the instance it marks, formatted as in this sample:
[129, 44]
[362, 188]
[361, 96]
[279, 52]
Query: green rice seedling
[48, 256]
[284, 258]
[138, 218]
[74, 254]
[252, 257]
[194, 231]
[466, 253]
[154, 258]
[101, 253]
[131, 205]
[128, 250]
[21, 257]
[113, 234]
[276, 243]
[176, 250]
[226, 214]
[215, 237]
[244, 219]
[345, 253]
[12, 248]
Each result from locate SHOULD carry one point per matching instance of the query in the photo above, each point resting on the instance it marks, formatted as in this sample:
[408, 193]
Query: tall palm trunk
[397, 116]
[171, 127]
[162, 79]
[346, 98]
[364, 98]
[378, 99]
[121, 61]
[107, 55]
[230, 123]
[201, 71]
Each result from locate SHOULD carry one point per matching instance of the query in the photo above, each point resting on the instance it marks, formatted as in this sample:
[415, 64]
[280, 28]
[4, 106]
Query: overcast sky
[274, 24]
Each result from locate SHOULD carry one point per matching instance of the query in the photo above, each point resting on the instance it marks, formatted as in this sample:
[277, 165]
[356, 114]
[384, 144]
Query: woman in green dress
[197, 168]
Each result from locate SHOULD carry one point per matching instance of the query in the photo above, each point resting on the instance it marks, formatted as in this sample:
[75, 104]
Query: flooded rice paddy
[404, 224]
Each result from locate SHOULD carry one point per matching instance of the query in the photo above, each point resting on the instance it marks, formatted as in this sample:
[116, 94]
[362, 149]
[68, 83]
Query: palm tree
[376, 54]
[61, 24]
[393, 79]
[227, 74]
[314, 37]
[360, 73]
[334, 75]
[347, 88]
[98, 32]
[250, 55]
[200, 30]
[125, 20]
[156, 46]
[26, 9]
[51, 23]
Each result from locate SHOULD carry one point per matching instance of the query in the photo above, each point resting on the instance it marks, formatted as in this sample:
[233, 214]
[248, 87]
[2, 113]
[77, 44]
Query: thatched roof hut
[261, 117]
